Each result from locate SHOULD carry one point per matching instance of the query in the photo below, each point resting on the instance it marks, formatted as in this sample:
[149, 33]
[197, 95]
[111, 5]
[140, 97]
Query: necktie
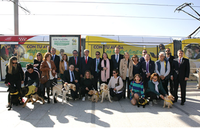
[179, 62]
[53, 57]
[97, 66]
[86, 60]
[147, 67]
[71, 77]
[117, 58]
[75, 60]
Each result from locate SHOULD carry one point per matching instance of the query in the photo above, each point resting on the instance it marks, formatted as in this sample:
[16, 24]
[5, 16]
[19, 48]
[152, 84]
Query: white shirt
[113, 81]
[65, 64]
[180, 60]
[50, 74]
[162, 69]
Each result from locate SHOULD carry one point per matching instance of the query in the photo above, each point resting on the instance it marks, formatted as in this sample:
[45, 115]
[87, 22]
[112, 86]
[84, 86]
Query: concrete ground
[116, 114]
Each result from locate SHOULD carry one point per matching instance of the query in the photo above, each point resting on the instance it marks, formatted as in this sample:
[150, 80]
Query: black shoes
[182, 103]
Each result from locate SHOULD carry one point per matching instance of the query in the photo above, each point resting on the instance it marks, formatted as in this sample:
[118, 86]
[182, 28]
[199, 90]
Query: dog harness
[31, 90]
[169, 101]
[15, 93]
[97, 94]
[145, 102]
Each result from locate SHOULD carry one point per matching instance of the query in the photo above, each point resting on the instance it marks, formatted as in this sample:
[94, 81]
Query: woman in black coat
[14, 78]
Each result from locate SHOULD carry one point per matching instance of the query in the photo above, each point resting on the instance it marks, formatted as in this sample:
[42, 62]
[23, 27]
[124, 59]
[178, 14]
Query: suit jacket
[44, 68]
[72, 61]
[94, 66]
[84, 67]
[141, 59]
[56, 62]
[66, 76]
[171, 58]
[181, 71]
[114, 64]
[123, 69]
[62, 67]
[151, 68]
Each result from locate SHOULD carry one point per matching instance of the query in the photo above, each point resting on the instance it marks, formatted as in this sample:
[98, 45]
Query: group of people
[133, 78]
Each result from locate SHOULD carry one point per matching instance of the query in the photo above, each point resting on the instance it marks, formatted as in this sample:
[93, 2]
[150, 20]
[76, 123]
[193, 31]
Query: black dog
[142, 102]
[13, 96]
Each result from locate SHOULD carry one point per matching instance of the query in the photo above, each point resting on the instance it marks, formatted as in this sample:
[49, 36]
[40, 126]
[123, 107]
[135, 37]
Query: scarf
[105, 74]
[156, 85]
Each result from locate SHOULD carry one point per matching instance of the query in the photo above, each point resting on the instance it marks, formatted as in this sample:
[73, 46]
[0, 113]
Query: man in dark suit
[144, 52]
[115, 59]
[170, 59]
[181, 71]
[148, 67]
[75, 60]
[85, 63]
[96, 72]
[55, 58]
[71, 76]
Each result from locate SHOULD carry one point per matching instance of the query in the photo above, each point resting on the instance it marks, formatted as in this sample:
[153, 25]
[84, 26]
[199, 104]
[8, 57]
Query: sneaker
[150, 103]
[154, 102]
[83, 99]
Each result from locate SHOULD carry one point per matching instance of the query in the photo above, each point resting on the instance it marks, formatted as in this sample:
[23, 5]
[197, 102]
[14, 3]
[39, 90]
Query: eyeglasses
[144, 52]
[14, 63]
[97, 54]
[167, 51]
[114, 73]
[154, 78]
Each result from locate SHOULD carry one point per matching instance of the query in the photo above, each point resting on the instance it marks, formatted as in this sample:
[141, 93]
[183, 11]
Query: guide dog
[168, 101]
[105, 92]
[31, 93]
[57, 90]
[142, 102]
[95, 95]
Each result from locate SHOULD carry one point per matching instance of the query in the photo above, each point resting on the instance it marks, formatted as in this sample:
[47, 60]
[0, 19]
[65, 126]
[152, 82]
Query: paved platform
[106, 114]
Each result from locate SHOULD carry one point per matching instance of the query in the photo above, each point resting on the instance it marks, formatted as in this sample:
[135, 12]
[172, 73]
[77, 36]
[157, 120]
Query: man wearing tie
[85, 63]
[144, 52]
[71, 76]
[116, 58]
[181, 71]
[96, 70]
[148, 67]
[75, 60]
[56, 60]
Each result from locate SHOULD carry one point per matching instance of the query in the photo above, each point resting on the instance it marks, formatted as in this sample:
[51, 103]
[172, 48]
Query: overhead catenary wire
[92, 2]
[114, 16]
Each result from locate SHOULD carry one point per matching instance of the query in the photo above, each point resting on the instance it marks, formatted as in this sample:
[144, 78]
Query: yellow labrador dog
[57, 90]
[95, 95]
[168, 101]
[105, 92]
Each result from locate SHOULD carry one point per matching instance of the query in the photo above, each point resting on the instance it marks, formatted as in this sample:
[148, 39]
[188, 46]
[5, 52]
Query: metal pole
[16, 20]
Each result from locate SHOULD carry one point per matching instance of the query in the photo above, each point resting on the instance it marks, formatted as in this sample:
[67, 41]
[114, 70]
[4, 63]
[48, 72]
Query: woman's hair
[138, 76]
[28, 66]
[89, 73]
[39, 53]
[10, 64]
[66, 58]
[135, 56]
[116, 71]
[47, 54]
[155, 74]
[106, 55]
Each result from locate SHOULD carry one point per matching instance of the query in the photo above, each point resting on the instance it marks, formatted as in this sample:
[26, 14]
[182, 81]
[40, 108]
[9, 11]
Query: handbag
[117, 84]
[43, 79]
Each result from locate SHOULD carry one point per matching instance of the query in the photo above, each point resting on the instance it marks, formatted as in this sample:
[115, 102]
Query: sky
[113, 17]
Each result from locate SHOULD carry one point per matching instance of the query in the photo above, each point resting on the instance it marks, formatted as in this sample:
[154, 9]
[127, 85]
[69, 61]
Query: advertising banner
[65, 44]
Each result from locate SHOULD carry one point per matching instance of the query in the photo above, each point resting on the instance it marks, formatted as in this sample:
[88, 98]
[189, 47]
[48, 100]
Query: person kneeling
[136, 89]
[115, 86]
[155, 89]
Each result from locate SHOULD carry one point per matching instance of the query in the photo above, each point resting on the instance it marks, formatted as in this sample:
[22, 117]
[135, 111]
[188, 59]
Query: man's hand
[81, 76]
[148, 74]
[162, 77]
[76, 69]
[76, 81]
[87, 89]
[172, 78]
[186, 78]
[22, 82]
